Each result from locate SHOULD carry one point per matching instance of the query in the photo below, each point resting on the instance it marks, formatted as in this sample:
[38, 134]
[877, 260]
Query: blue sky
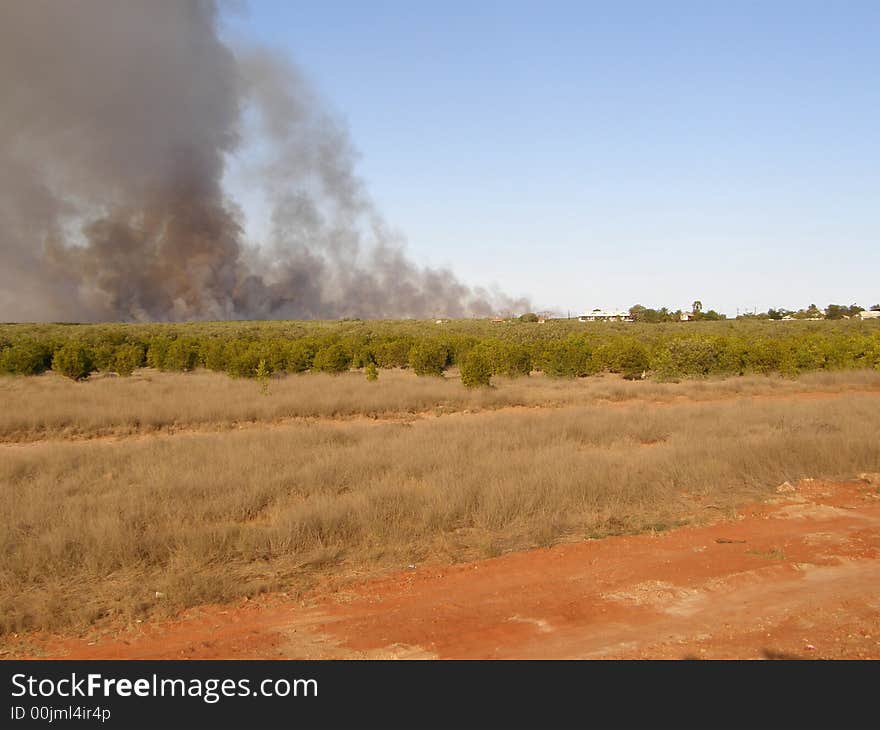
[603, 154]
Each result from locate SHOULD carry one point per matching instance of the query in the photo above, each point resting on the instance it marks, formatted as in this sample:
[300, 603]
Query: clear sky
[607, 153]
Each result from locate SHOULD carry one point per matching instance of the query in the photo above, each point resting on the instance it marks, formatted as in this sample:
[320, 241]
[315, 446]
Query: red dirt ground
[796, 577]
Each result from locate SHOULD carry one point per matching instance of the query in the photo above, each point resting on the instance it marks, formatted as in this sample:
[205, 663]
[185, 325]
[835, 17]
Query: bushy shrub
[763, 356]
[103, 356]
[428, 358]
[127, 358]
[622, 355]
[212, 354]
[507, 358]
[156, 351]
[393, 353]
[26, 357]
[363, 356]
[300, 356]
[332, 359]
[359, 347]
[73, 360]
[570, 358]
[476, 370]
[841, 352]
[872, 357]
[181, 355]
[632, 359]
[275, 353]
[731, 357]
[459, 346]
[372, 371]
[241, 358]
[692, 356]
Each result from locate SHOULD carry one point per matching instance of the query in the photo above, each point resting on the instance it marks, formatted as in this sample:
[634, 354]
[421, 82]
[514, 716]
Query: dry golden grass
[94, 529]
[56, 407]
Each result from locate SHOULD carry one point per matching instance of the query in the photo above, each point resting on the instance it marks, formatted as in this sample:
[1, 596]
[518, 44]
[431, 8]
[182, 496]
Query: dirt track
[797, 577]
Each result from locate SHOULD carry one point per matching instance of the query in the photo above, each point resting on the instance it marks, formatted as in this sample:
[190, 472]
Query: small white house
[600, 315]
[869, 314]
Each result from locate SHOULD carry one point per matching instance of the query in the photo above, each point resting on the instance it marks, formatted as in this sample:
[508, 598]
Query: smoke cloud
[117, 124]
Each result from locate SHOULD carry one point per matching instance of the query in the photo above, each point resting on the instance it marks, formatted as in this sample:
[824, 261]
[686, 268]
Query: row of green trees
[669, 354]
[639, 313]
[831, 312]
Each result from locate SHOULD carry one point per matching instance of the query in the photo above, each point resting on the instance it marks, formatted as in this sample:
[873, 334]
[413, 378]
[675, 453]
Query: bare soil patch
[792, 577]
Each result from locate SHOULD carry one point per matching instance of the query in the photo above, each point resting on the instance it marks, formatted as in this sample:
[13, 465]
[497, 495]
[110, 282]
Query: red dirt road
[796, 577]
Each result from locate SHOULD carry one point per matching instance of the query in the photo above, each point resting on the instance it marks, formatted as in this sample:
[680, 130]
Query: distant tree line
[639, 313]
[832, 311]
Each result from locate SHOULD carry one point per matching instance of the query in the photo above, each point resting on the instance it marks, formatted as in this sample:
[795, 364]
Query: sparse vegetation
[92, 530]
[53, 407]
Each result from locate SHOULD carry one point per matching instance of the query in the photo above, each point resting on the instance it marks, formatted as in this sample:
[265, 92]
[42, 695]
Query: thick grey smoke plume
[117, 122]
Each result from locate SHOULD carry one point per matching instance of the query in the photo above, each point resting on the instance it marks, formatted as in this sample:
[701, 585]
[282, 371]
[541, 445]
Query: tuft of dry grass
[51, 406]
[97, 529]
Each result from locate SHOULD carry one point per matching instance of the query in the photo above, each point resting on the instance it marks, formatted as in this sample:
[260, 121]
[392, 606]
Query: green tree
[181, 355]
[241, 358]
[300, 356]
[570, 358]
[393, 353]
[692, 356]
[637, 312]
[26, 357]
[127, 358]
[262, 374]
[476, 371]
[507, 358]
[103, 355]
[631, 358]
[811, 312]
[333, 359]
[73, 360]
[428, 358]
[156, 352]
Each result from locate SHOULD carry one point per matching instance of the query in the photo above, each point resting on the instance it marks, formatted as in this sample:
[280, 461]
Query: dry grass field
[123, 498]
[51, 406]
